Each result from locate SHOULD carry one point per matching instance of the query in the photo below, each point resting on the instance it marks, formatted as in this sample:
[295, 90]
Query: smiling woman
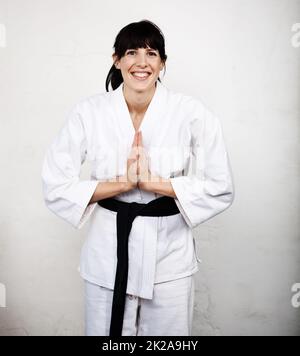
[140, 57]
[140, 256]
[139, 44]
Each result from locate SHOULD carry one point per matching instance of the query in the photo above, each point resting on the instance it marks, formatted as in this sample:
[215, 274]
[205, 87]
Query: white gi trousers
[168, 313]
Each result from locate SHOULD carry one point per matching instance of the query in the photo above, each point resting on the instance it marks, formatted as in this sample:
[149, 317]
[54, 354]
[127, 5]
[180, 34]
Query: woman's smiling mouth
[140, 75]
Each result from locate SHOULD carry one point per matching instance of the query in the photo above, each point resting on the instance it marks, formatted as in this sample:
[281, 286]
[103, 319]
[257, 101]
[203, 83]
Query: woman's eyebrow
[147, 49]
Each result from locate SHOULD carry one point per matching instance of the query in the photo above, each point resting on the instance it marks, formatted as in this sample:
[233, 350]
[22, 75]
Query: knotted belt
[126, 213]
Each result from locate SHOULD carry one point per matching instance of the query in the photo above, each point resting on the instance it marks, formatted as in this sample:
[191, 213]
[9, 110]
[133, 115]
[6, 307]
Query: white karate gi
[177, 130]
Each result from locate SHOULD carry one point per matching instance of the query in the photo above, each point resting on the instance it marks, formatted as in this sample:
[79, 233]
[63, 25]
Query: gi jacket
[184, 142]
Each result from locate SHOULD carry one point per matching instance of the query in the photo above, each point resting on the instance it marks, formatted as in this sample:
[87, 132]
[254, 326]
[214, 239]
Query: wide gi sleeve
[64, 193]
[209, 190]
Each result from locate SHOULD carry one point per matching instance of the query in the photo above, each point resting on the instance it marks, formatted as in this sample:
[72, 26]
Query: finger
[140, 139]
[140, 144]
[136, 137]
[135, 140]
[134, 151]
[143, 159]
[142, 153]
[132, 173]
[134, 148]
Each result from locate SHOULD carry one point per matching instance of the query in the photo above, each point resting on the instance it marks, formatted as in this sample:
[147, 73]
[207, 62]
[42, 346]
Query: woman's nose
[141, 59]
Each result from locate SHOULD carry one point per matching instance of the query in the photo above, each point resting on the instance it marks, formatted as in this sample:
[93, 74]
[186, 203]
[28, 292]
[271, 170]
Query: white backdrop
[241, 57]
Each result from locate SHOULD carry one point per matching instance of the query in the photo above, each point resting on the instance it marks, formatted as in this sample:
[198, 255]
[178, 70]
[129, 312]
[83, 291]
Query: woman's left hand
[146, 180]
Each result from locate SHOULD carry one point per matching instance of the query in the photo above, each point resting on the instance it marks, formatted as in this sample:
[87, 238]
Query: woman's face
[140, 68]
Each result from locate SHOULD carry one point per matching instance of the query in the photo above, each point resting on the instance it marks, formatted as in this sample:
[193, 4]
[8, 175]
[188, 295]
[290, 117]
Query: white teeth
[140, 75]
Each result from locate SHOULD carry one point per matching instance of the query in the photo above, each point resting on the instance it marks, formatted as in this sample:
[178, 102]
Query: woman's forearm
[117, 186]
[160, 186]
[109, 189]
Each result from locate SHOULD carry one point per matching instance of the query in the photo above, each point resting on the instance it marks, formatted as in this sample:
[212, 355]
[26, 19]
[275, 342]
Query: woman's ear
[116, 61]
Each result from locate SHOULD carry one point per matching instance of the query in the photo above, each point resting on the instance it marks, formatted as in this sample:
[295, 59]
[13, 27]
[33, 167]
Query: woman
[159, 168]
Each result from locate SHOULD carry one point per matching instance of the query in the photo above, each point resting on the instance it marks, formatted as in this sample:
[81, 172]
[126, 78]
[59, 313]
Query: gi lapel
[152, 119]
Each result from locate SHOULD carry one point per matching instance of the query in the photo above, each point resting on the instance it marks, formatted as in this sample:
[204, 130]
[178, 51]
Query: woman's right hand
[131, 176]
[127, 182]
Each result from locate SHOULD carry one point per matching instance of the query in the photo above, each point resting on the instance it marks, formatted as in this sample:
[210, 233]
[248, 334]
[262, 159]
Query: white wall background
[237, 56]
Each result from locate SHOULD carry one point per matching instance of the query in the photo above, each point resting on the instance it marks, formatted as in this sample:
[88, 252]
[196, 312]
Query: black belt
[126, 213]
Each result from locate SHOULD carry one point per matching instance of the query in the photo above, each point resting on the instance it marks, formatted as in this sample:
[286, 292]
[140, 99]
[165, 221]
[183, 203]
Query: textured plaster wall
[242, 59]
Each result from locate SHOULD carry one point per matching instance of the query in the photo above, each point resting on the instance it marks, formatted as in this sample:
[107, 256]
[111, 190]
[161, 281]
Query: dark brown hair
[136, 35]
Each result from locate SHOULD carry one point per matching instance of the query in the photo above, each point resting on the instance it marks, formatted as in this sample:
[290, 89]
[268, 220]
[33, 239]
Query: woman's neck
[138, 102]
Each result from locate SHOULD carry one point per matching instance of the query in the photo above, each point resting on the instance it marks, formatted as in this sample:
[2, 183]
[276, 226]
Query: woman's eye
[151, 54]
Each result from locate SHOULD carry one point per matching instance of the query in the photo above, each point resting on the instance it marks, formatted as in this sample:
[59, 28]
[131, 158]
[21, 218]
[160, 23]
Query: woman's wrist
[149, 184]
[126, 183]
[158, 185]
